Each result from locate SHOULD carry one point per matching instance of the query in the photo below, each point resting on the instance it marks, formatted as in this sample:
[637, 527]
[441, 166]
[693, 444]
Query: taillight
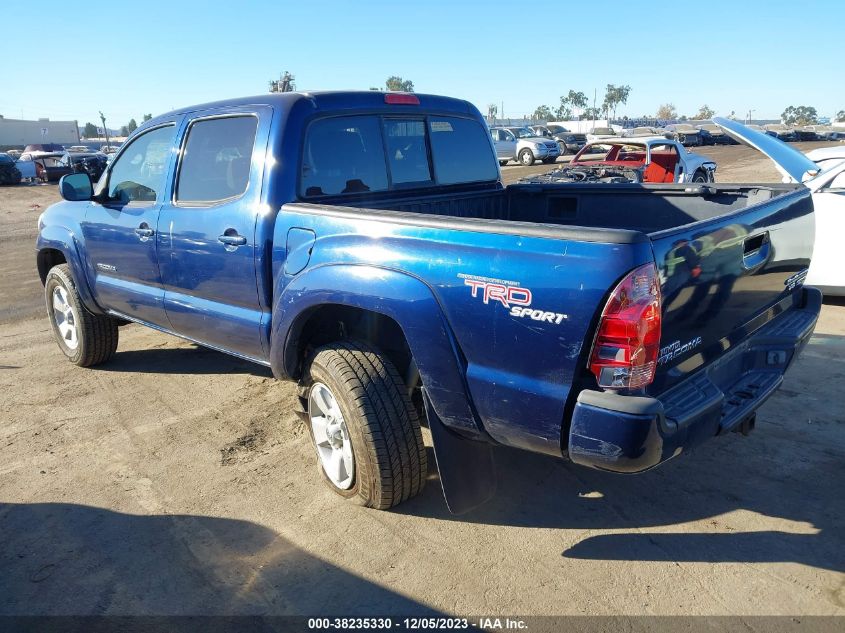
[627, 342]
[401, 98]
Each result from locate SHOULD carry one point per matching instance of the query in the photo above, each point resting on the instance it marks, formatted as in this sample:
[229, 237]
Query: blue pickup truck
[363, 245]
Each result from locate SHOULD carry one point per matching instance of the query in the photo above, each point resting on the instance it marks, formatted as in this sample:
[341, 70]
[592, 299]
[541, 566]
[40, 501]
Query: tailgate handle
[755, 250]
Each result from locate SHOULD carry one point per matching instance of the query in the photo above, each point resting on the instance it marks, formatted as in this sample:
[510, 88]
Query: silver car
[523, 145]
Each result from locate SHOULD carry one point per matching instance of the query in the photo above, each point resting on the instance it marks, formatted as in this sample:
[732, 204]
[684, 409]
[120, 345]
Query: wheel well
[337, 322]
[47, 258]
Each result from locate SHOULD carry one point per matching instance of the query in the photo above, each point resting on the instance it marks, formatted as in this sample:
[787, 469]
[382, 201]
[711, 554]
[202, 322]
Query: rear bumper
[629, 434]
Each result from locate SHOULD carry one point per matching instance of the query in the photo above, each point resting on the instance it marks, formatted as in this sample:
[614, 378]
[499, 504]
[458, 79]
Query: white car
[598, 133]
[823, 172]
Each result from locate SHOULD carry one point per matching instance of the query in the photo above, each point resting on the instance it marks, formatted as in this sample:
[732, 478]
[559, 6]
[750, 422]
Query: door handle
[756, 250]
[144, 231]
[232, 240]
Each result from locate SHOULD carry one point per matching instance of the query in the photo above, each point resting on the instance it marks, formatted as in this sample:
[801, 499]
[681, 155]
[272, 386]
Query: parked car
[596, 133]
[43, 147]
[643, 131]
[109, 149]
[712, 134]
[48, 165]
[633, 159]
[684, 133]
[79, 148]
[92, 163]
[822, 172]
[761, 129]
[365, 246]
[825, 132]
[566, 140]
[9, 173]
[783, 132]
[14, 153]
[827, 157]
[523, 145]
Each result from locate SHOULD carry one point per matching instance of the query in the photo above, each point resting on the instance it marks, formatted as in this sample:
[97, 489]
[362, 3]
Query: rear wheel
[365, 429]
[502, 163]
[86, 338]
[526, 157]
[699, 176]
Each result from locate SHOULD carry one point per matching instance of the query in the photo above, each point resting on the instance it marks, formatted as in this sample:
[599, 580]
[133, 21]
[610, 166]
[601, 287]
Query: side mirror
[76, 187]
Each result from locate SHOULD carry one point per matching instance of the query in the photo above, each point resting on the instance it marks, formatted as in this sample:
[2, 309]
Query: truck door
[207, 241]
[119, 229]
[505, 144]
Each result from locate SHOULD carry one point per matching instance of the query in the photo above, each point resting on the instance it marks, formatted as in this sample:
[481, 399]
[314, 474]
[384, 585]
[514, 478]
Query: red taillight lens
[401, 98]
[627, 343]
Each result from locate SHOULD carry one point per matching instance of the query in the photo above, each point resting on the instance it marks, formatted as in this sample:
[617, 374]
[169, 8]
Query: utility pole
[283, 84]
[105, 129]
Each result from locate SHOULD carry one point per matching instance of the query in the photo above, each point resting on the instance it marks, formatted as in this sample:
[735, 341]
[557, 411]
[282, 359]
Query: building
[17, 132]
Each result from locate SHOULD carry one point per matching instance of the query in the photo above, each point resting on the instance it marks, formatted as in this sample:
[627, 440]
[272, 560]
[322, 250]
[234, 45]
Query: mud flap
[466, 467]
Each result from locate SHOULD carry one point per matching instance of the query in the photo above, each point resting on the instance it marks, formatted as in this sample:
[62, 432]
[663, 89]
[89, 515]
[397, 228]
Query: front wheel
[86, 338]
[699, 177]
[364, 428]
[526, 157]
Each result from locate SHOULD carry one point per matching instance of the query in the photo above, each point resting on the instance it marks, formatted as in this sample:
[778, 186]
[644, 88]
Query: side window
[216, 160]
[138, 174]
[343, 155]
[406, 151]
[494, 134]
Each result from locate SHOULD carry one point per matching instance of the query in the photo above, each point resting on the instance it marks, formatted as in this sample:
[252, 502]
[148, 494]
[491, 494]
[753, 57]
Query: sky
[151, 56]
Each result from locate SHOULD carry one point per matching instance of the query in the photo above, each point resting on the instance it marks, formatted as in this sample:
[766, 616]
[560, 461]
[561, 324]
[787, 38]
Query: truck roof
[332, 100]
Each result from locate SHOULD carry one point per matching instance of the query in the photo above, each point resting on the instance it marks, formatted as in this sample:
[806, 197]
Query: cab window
[216, 159]
[138, 173]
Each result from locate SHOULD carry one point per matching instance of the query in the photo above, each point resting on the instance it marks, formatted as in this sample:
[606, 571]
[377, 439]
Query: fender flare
[63, 240]
[400, 296]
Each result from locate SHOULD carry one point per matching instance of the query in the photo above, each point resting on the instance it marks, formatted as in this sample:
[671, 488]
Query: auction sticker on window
[441, 126]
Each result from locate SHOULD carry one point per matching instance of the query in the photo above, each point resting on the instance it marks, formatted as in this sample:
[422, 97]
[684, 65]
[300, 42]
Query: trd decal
[511, 295]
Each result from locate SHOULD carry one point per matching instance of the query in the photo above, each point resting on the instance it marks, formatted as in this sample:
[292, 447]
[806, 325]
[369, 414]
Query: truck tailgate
[725, 278]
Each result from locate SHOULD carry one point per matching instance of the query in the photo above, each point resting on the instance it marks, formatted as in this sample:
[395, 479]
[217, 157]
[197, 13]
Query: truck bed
[645, 208]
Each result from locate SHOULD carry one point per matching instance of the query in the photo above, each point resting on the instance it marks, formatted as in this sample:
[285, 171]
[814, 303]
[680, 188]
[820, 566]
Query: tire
[526, 157]
[502, 163]
[549, 161]
[385, 460]
[699, 176]
[86, 339]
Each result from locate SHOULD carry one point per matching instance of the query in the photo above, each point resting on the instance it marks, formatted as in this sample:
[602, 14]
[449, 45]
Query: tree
[90, 131]
[570, 101]
[705, 112]
[124, 131]
[542, 113]
[131, 126]
[397, 84]
[147, 117]
[840, 116]
[613, 97]
[801, 115]
[667, 111]
[591, 114]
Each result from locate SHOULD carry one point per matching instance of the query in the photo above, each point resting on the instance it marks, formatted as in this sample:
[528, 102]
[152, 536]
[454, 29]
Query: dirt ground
[176, 480]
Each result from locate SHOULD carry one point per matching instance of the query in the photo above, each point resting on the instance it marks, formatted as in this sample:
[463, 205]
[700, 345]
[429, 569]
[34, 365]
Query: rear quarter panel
[517, 371]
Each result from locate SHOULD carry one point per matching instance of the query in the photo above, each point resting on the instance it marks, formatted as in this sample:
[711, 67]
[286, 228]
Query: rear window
[461, 151]
[360, 154]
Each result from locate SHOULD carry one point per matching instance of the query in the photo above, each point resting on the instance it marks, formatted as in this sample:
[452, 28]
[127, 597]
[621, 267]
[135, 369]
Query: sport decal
[511, 295]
